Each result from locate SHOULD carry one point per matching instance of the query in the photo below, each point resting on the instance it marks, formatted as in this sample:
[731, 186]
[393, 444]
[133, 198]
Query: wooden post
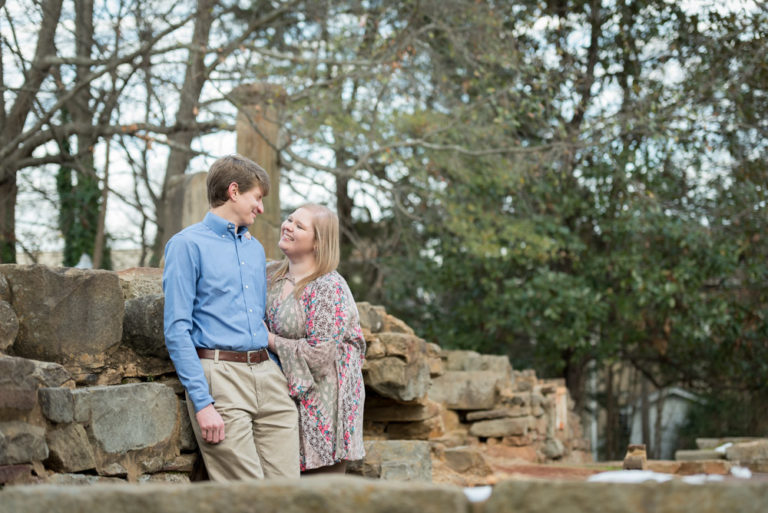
[258, 128]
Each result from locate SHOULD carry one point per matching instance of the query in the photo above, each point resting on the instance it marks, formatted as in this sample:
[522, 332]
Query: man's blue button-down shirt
[214, 282]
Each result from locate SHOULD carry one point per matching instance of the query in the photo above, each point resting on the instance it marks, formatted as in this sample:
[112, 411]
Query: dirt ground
[504, 464]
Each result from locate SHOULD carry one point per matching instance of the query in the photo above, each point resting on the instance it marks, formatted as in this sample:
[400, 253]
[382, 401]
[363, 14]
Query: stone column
[258, 126]
[187, 201]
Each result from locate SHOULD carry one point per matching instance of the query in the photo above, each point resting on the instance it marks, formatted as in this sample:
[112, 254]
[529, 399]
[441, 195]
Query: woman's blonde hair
[325, 225]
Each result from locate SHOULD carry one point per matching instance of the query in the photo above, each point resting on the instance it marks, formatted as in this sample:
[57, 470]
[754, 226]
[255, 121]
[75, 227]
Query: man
[214, 282]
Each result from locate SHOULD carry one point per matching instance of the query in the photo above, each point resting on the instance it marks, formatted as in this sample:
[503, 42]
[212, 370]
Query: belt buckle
[254, 357]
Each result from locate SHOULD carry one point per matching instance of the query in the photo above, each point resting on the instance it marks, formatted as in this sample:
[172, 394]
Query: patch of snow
[741, 472]
[702, 478]
[629, 476]
[722, 448]
[478, 493]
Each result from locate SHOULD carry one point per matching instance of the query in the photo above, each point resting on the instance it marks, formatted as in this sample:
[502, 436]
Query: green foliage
[563, 182]
[612, 244]
[724, 413]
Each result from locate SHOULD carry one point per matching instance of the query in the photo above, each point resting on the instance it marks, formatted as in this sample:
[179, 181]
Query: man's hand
[211, 424]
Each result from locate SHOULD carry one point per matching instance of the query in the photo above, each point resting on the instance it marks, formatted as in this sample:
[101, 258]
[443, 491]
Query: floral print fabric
[321, 349]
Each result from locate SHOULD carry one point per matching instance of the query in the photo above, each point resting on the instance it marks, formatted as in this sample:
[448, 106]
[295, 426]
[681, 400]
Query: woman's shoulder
[327, 283]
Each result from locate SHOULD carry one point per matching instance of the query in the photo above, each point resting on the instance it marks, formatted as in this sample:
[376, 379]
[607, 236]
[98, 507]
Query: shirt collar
[221, 226]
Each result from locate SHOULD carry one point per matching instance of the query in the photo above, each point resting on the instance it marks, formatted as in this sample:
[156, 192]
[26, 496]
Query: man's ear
[232, 191]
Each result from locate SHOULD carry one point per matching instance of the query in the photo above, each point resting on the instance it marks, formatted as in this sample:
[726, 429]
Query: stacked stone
[419, 391]
[66, 334]
[398, 417]
[398, 370]
[461, 402]
[88, 392]
[720, 455]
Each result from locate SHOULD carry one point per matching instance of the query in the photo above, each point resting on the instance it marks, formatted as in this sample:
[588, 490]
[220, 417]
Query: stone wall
[466, 404]
[88, 393]
[348, 494]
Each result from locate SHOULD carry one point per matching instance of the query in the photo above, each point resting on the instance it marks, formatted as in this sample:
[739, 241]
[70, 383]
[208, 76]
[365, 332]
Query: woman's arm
[313, 357]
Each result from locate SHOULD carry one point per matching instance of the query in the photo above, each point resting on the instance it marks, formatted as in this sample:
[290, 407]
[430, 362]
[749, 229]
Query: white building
[674, 412]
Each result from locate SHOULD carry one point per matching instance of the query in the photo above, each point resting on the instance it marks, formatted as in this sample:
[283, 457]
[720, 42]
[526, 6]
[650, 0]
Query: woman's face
[297, 235]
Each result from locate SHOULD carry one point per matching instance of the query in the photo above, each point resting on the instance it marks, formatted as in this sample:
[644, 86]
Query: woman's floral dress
[321, 350]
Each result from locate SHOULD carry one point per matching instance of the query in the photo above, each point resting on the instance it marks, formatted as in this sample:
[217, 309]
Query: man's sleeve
[180, 286]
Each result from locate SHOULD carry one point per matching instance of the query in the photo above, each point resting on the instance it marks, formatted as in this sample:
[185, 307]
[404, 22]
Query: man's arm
[180, 286]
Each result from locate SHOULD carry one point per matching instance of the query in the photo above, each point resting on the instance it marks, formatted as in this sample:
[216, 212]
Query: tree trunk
[344, 210]
[658, 425]
[574, 379]
[180, 142]
[611, 416]
[83, 199]
[13, 125]
[8, 192]
[645, 414]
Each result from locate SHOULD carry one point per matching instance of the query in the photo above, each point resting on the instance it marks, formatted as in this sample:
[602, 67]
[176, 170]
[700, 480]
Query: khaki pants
[261, 426]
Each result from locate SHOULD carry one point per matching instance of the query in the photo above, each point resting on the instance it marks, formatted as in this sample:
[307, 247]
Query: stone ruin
[88, 393]
[88, 396]
[470, 407]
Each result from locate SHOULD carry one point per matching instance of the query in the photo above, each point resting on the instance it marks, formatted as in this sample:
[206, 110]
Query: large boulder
[406, 346]
[374, 318]
[371, 316]
[466, 459]
[21, 443]
[673, 496]
[143, 325]
[19, 380]
[127, 417]
[499, 428]
[141, 281]
[57, 404]
[68, 316]
[5, 289]
[467, 390]
[436, 366]
[401, 460]
[395, 378]
[336, 493]
[750, 454]
[391, 324]
[132, 428]
[9, 325]
[187, 440]
[385, 410]
[460, 360]
[70, 450]
[403, 373]
[419, 430]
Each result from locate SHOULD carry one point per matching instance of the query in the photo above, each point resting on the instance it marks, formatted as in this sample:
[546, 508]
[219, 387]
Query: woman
[315, 330]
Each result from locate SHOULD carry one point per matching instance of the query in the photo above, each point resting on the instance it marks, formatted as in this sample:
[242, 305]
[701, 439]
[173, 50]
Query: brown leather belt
[258, 356]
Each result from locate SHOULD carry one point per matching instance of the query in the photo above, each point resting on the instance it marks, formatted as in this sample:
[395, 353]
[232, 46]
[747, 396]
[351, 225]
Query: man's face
[247, 205]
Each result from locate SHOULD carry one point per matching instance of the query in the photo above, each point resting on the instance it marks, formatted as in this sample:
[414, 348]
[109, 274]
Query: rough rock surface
[66, 315]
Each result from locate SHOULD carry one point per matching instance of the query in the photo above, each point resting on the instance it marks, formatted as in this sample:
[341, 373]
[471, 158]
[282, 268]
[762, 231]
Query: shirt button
[250, 310]
[246, 286]
[223, 235]
[242, 263]
[254, 334]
